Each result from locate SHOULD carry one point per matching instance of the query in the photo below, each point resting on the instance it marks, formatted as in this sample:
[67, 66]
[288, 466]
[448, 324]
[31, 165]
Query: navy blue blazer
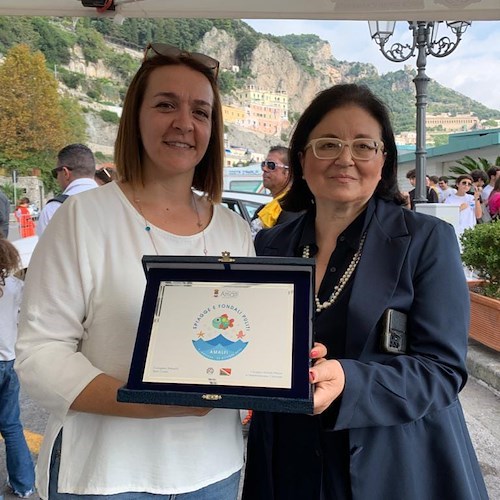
[407, 435]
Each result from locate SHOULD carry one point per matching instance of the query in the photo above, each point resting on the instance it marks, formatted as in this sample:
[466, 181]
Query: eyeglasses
[328, 148]
[55, 171]
[465, 183]
[163, 49]
[272, 165]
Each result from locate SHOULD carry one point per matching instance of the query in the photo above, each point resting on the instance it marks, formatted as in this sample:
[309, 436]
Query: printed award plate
[224, 332]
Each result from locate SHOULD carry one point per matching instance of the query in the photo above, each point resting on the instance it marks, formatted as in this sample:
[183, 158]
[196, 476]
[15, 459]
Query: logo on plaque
[221, 335]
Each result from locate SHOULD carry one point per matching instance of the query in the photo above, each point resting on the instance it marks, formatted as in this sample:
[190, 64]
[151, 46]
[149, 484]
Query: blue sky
[473, 69]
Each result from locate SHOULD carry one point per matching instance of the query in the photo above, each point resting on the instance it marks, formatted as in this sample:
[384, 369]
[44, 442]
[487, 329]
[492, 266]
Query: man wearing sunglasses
[276, 178]
[74, 173]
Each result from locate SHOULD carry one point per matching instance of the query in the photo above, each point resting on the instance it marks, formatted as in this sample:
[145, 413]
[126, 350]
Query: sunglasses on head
[271, 165]
[163, 49]
[104, 175]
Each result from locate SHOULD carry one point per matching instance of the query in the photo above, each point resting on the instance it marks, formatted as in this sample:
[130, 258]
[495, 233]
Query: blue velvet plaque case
[224, 333]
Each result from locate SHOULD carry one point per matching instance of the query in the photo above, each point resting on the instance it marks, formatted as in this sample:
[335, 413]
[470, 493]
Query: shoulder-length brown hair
[10, 261]
[129, 150]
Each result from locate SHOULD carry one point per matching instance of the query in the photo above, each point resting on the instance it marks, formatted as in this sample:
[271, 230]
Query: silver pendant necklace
[148, 228]
[344, 279]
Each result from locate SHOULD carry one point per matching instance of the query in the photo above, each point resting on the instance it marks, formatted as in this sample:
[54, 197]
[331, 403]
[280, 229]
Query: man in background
[276, 178]
[4, 214]
[433, 183]
[479, 179]
[431, 195]
[74, 173]
[444, 189]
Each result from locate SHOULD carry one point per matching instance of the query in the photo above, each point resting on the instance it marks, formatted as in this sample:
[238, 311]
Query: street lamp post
[425, 42]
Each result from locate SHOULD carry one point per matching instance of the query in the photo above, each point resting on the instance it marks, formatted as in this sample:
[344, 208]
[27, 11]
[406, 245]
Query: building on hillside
[406, 139]
[265, 111]
[265, 119]
[476, 144]
[452, 123]
[233, 114]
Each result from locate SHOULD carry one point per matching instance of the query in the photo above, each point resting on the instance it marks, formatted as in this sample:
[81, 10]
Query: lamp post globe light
[425, 42]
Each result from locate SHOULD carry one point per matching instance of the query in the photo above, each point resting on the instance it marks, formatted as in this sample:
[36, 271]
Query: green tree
[8, 190]
[53, 43]
[244, 50]
[31, 116]
[74, 124]
[227, 82]
[440, 139]
[91, 42]
[467, 164]
[13, 29]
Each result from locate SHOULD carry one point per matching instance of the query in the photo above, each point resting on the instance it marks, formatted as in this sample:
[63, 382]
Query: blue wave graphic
[219, 348]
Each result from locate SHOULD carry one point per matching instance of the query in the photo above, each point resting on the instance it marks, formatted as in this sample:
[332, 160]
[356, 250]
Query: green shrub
[72, 80]
[481, 247]
[109, 116]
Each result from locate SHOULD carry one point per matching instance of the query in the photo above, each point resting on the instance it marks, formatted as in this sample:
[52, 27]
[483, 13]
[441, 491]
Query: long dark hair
[299, 197]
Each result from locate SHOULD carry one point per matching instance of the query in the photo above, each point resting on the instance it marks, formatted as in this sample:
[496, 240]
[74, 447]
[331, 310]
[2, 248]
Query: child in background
[23, 216]
[21, 473]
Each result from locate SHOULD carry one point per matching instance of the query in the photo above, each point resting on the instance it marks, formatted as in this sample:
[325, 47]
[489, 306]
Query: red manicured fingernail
[314, 354]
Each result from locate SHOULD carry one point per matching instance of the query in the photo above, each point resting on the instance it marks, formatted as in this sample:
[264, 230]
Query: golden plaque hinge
[226, 257]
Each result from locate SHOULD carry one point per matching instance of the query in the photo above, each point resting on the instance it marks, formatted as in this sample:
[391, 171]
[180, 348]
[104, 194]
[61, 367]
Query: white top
[467, 217]
[444, 193]
[82, 303]
[48, 211]
[485, 194]
[10, 302]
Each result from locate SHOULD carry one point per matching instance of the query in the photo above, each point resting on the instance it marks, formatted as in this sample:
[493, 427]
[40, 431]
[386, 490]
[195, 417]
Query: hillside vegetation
[93, 61]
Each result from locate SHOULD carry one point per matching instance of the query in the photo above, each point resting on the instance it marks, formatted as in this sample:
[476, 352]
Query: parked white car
[244, 204]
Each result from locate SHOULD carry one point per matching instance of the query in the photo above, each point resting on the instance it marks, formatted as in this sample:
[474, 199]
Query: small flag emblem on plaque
[225, 371]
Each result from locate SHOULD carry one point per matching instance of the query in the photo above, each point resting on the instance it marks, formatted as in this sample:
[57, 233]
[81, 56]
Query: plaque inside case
[224, 332]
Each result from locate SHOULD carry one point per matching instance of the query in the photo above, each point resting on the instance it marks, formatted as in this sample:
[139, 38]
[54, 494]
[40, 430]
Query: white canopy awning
[407, 10]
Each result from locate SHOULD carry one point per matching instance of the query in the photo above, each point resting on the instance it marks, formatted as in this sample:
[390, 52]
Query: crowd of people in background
[476, 194]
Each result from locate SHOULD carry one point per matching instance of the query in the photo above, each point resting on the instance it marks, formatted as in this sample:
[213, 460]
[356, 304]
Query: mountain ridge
[94, 60]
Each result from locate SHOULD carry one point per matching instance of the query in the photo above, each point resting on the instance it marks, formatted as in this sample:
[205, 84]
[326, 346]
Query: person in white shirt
[74, 173]
[444, 190]
[20, 469]
[84, 293]
[469, 205]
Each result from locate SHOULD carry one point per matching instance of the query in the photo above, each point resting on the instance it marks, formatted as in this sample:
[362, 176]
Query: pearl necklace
[147, 225]
[344, 279]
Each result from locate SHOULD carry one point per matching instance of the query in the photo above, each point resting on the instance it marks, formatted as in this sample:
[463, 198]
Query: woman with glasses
[469, 204]
[390, 353]
[85, 290]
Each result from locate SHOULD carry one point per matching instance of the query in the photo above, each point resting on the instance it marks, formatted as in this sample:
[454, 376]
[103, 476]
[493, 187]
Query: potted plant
[481, 252]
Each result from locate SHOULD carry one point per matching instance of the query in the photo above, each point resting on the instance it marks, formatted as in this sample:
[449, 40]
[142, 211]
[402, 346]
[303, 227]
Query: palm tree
[468, 164]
